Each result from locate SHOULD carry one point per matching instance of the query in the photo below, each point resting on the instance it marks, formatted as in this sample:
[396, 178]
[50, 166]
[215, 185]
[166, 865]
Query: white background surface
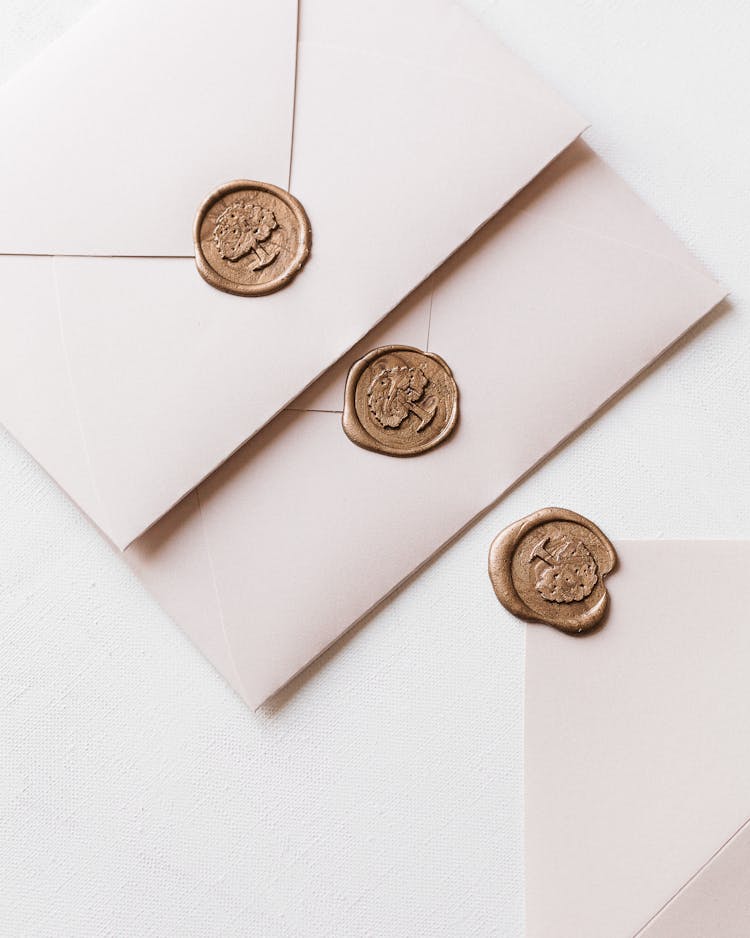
[383, 798]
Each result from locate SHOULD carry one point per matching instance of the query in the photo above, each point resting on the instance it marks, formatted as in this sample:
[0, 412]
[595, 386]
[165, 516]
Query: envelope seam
[73, 393]
[429, 322]
[550, 218]
[214, 582]
[691, 879]
[294, 100]
[93, 255]
[312, 410]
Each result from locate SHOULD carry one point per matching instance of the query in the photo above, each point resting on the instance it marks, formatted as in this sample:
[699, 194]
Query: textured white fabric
[383, 798]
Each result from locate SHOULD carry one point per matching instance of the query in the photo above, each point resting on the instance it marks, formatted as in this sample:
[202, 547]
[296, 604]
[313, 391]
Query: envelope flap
[571, 192]
[397, 161]
[553, 320]
[38, 405]
[118, 131]
[432, 34]
[179, 559]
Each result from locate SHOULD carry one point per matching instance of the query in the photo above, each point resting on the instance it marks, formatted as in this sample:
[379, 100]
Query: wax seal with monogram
[399, 401]
[550, 567]
[250, 238]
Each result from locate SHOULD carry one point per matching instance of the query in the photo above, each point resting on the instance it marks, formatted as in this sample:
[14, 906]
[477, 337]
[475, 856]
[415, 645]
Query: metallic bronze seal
[550, 567]
[250, 238]
[399, 401]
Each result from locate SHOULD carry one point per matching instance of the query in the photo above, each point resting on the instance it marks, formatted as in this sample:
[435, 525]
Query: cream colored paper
[637, 754]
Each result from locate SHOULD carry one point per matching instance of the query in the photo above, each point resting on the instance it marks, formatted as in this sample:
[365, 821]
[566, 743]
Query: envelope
[401, 128]
[637, 756]
[542, 317]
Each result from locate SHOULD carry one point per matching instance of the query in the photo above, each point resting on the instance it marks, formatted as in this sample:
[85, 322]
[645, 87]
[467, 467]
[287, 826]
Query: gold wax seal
[250, 238]
[399, 401]
[550, 567]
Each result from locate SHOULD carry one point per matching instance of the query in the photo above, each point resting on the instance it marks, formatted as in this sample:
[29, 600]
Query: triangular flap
[182, 569]
[441, 35]
[38, 401]
[396, 167]
[116, 133]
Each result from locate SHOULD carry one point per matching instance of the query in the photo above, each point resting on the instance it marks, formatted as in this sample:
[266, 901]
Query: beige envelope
[565, 296]
[637, 753]
[402, 127]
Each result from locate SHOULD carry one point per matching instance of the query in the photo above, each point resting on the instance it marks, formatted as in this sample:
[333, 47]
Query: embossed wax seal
[550, 567]
[399, 401]
[250, 238]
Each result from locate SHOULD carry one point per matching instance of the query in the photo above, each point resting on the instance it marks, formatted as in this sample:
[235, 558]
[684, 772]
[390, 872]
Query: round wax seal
[250, 238]
[550, 567]
[399, 401]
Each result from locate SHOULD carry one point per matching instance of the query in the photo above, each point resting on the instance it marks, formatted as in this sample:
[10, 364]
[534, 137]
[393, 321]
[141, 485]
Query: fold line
[74, 394]
[695, 875]
[429, 322]
[312, 410]
[551, 218]
[93, 255]
[239, 685]
[294, 100]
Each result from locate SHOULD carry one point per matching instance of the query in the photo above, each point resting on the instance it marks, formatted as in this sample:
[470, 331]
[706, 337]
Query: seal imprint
[550, 567]
[399, 401]
[250, 238]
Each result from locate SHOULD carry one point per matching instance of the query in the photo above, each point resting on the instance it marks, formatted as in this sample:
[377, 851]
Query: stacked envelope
[453, 209]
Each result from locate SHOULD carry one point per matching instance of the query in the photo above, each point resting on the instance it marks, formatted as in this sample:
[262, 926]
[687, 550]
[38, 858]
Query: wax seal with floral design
[399, 401]
[250, 238]
[550, 567]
